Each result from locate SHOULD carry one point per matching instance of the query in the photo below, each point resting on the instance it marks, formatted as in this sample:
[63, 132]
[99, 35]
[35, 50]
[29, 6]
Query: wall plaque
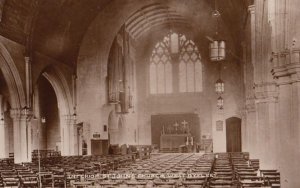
[219, 126]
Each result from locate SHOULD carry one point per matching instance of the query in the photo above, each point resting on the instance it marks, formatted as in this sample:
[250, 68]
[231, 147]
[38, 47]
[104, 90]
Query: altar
[175, 136]
[175, 131]
[172, 141]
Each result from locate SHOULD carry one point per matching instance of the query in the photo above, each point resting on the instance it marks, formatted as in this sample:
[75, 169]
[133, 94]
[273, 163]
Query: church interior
[149, 93]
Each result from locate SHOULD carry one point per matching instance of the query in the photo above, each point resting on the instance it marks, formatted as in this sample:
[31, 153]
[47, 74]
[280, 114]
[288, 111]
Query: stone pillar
[78, 134]
[67, 135]
[284, 128]
[2, 130]
[22, 135]
[295, 121]
[266, 99]
[2, 139]
[113, 136]
[251, 10]
[250, 127]
[286, 72]
[72, 135]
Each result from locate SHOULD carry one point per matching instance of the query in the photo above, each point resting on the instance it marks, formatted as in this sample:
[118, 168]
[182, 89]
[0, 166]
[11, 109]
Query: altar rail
[138, 151]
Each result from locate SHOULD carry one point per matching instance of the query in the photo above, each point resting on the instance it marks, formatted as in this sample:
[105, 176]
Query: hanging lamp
[217, 46]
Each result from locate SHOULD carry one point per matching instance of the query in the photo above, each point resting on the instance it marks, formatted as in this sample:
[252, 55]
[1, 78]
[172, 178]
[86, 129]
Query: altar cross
[176, 126]
[184, 123]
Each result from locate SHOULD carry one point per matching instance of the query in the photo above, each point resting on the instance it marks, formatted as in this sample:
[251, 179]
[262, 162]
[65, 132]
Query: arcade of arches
[76, 77]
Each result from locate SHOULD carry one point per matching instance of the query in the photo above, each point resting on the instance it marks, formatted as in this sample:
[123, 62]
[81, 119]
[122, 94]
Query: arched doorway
[233, 134]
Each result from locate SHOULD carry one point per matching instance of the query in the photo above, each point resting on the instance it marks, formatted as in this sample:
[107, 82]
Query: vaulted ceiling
[56, 27]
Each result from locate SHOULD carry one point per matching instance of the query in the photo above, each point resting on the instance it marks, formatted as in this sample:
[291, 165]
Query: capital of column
[27, 59]
[285, 63]
[251, 9]
[21, 114]
[70, 119]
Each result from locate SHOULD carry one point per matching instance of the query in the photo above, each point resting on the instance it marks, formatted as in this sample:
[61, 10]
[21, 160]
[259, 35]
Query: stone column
[250, 126]
[2, 130]
[251, 10]
[113, 136]
[286, 71]
[67, 134]
[266, 100]
[72, 135]
[284, 127]
[295, 121]
[22, 135]
[2, 139]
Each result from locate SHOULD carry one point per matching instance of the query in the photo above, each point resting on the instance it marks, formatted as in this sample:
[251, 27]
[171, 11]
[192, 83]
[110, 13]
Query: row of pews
[237, 170]
[219, 170]
[13, 175]
[62, 171]
[160, 170]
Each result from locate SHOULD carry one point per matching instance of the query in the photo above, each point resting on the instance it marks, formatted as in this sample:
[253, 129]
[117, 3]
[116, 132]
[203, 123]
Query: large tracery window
[162, 71]
[190, 68]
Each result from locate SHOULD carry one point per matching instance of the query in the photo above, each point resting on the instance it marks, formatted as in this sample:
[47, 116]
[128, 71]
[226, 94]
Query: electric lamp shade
[219, 86]
[220, 103]
[217, 50]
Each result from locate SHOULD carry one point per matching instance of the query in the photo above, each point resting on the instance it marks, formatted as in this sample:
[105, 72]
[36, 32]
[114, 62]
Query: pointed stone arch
[64, 99]
[12, 78]
[61, 88]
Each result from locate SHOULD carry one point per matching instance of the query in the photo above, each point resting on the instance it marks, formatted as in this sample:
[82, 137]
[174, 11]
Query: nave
[210, 77]
[180, 170]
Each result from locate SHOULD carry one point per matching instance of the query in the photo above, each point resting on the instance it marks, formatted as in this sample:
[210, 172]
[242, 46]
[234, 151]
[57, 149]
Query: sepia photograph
[149, 93]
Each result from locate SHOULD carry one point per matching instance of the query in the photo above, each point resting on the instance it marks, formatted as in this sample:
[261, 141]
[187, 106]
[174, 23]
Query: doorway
[233, 134]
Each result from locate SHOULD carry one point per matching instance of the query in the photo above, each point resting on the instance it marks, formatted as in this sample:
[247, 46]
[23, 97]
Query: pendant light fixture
[219, 85]
[220, 103]
[217, 49]
[217, 46]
